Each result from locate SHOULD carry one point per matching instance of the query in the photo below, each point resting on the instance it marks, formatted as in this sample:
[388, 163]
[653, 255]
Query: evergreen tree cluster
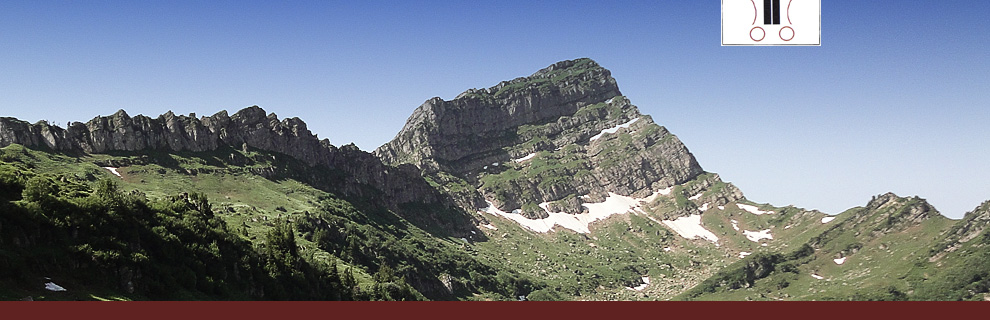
[103, 239]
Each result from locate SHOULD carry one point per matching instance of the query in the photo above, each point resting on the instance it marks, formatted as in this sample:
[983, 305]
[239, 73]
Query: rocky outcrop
[974, 224]
[894, 213]
[884, 214]
[563, 135]
[709, 189]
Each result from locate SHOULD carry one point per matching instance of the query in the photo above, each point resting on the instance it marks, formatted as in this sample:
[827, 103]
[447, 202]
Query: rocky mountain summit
[558, 139]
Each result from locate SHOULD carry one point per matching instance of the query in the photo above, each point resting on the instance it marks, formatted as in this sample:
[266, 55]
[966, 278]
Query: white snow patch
[646, 282]
[666, 191]
[744, 254]
[756, 236]
[787, 227]
[667, 249]
[827, 219]
[839, 260]
[472, 232]
[527, 157]
[704, 207]
[817, 276]
[613, 204]
[51, 286]
[613, 129]
[735, 225]
[495, 164]
[690, 227]
[721, 207]
[695, 197]
[490, 226]
[752, 209]
[114, 171]
[609, 100]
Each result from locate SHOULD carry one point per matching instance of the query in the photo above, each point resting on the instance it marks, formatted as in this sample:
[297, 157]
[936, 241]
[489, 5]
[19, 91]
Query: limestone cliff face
[471, 129]
[564, 135]
[120, 132]
[251, 127]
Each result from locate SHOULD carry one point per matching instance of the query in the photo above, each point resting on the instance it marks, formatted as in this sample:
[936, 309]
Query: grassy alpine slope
[193, 226]
[887, 250]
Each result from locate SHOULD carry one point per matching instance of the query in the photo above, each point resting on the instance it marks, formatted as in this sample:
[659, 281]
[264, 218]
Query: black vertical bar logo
[767, 12]
[771, 11]
[776, 11]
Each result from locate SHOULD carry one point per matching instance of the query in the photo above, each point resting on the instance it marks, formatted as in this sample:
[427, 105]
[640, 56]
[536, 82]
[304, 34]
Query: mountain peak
[584, 139]
[578, 65]
[891, 199]
[896, 212]
[447, 131]
[575, 76]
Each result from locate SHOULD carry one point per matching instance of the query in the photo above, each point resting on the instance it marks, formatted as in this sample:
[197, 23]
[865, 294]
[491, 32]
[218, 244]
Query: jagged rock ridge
[248, 128]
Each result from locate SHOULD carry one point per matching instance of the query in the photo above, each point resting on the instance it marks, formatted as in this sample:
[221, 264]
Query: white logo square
[771, 22]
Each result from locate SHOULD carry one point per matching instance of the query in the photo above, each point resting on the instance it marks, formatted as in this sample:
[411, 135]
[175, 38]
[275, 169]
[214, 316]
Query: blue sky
[895, 99]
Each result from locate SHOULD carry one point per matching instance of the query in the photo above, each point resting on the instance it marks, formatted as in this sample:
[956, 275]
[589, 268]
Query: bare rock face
[454, 135]
[560, 136]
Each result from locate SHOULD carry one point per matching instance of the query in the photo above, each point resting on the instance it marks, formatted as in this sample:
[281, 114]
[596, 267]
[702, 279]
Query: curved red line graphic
[788, 11]
[755, 13]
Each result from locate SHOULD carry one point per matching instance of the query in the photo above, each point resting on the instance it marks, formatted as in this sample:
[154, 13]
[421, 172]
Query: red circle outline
[781, 35]
[761, 29]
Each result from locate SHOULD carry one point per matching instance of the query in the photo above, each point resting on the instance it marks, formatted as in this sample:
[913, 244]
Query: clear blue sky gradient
[895, 99]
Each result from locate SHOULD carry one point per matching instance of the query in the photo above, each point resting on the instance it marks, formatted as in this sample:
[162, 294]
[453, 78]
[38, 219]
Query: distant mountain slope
[868, 253]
